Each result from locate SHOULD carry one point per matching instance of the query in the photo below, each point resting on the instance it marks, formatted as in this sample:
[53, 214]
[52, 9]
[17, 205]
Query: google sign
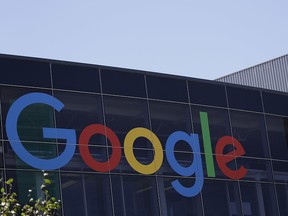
[195, 169]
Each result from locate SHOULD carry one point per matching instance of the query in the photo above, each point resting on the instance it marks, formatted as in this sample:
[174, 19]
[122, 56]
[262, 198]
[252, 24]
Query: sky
[204, 39]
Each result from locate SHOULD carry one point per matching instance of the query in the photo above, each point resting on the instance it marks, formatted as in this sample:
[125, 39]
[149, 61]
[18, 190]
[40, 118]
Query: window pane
[135, 195]
[39, 150]
[246, 99]
[249, 130]
[76, 78]
[32, 119]
[257, 169]
[219, 125]
[79, 111]
[282, 194]
[258, 199]
[123, 114]
[173, 203]
[221, 198]
[167, 89]
[25, 72]
[278, 136]
[207, 94]
[280, 169]
[275, 103]
[123, 83]
[167, 118]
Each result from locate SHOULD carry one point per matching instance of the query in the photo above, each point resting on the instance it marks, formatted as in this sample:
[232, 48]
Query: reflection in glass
[173, 203]
[257, 169]
[135, 195]
[79, 111]
[123, 83]
[86, 194]
[167, 118]
[280, 171]
[249, 130]
[123, 114]
[165, 88]
[32, 119]
[219, 125]
[38, 150]
[221, 198]
[278, 136]
[282, 194]
[258, 199]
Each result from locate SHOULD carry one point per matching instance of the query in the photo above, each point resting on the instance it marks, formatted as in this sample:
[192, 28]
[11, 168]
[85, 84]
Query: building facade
[126, 142]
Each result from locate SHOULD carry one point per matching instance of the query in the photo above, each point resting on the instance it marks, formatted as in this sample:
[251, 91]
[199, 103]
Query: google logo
[195, 169]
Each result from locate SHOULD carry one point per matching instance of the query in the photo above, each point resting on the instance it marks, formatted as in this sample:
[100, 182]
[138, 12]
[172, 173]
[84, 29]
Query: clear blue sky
[204, 39]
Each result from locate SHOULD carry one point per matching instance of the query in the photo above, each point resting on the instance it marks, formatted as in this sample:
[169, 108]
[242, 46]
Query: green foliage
[44, 206]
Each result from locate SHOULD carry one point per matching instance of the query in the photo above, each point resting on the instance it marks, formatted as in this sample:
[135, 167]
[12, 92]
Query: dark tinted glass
[76, 78]
[280, 170]
[123, 114]
[25, 72]
[258, 199]
[123, 83]
[39, 150]
[257, 169]
[167, 118]
[86, 194]
[32, 119]
[167, 89]
[282, 194]
[79, 111]
[135, 195]
[207, 94]
[278, 136]
[275, 103]
[249, 129]
[218, 123]
[221, 198]
[173, 203]
[245, 99]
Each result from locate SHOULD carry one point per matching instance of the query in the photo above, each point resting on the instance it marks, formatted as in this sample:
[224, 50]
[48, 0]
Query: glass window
[25, 72]
[86, 194]
[282, 194]
[172, 203]
[221, 198]
[258, 199]
[167, 118]
[32, 119]
[257, 169]
[98, 153]
[167, 88]
[135, 195]
[123, 114]
[39, 150]
[25, 180]
[278, 136]
[275, 103]
[78, 78]
[79, 111]
[123, 83]
[143, 156]
[207, 93]
[249, 130]
[280, 170]
[218, 122]
[246, 99]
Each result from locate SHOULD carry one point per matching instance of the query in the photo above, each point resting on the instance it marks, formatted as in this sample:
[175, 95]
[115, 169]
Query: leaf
[47, 181]
[9, 181]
